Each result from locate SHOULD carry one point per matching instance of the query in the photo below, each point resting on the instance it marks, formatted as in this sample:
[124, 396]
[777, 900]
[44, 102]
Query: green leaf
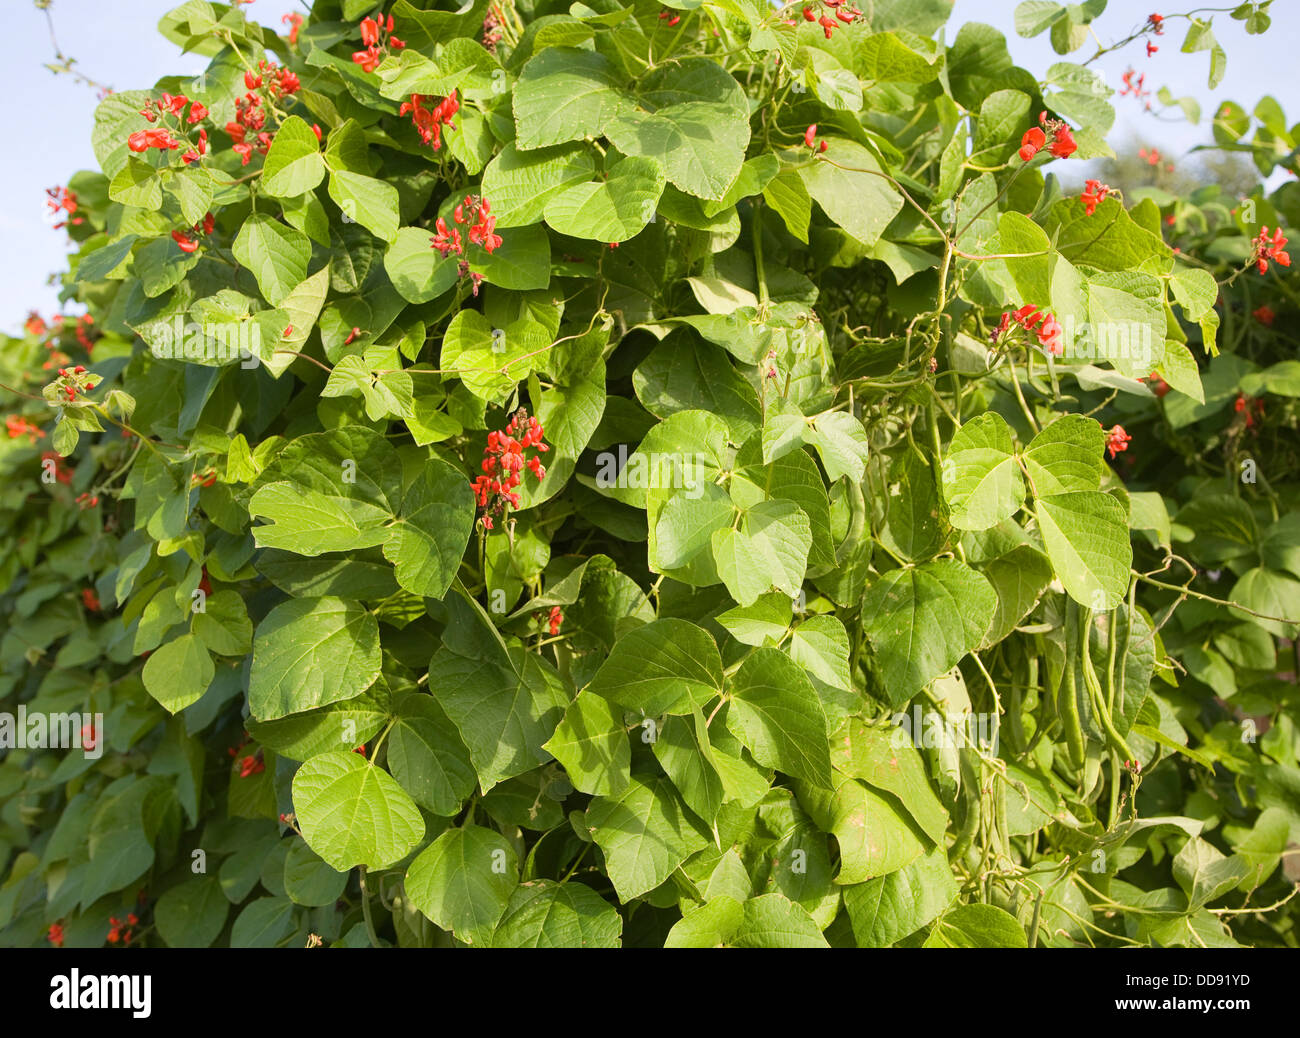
[520, 183]
[1066, 456]
[981, 477]
[565, 94]
[645, 833]
[308, 880]
[700, 144]
[546, 914]
[669, 666]
[769, 550]
[847, 184]
[1087, 539]
[592, 744]
[416, 270]
[178, 673]
[429, 537]
[883, 911]
[192, 914]
[354, 813]
[427, 756]
[774, 710]
[766, 921]
[1205, 874]
[977, 926]
[505, 706]
[370, 202]
[875, 838]
[277, 255]
[223, 626]
[293, 164]
[683, 749]
[610, 210]
[310, 652]
[463, 881]
[137, 184]
[841, 441]
[922, 621]
[263, 923]
[885, 759]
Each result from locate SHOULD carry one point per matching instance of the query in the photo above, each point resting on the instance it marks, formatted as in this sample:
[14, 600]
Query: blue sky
[115, 41]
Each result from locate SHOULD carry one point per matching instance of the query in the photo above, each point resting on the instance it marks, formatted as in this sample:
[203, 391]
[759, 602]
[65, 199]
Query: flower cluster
[1135, 85]
[1252, 407]
[845, 13]
[492, 34]
[1156, 23]
[294, 21]
[35, 324]
[1045, 325]
[671, 17]
[429, 121]
[62, 473]
[17, 425]
[87, 500]
[90, 600]
[810, 138]
[1117, 440]
[252, 765]
[1265, 316]
[1094, 193]
[1267, 248]
[61, 200]
[55, 935]
[188, 241]
[172, 107]
[1050, 133]
[143, 140]
[376, 36]
[503, 463]
[552, 620]
[272, 77]
[75, 380]
[120, 931]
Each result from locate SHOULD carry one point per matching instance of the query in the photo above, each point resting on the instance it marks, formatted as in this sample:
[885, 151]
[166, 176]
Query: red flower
[503, 461]
[1158, 385]
[1264, 315]
[369, 32]
[1117, 440]
[447, 240]
[90, 600]
[252, 80]
[1052, 336]
[1064, 145]
[294, 21]
[1027, 315]
[808, 15]
[55, 935]
[186, 243]
[252, 765]
[1032, 142]
[1151, 48]
[143, 140]
[1267, 248]
[809, 135]
[1093, 195]
[368, 59]
[554, 620]
[1157, 22]
[827, 24]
